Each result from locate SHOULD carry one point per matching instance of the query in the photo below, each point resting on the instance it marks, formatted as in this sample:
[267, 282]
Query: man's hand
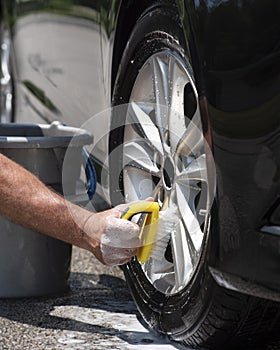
[111, 239]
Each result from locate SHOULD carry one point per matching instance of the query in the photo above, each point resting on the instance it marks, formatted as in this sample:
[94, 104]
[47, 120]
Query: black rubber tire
[203, 314]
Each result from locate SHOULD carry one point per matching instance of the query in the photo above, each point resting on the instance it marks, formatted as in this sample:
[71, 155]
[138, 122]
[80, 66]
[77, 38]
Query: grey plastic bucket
[32, 264]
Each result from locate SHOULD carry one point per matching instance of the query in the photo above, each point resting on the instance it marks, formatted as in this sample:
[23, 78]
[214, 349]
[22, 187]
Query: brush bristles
[168, 220]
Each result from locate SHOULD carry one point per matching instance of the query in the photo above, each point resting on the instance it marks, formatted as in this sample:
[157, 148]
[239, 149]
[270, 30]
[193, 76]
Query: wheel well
[128, 15]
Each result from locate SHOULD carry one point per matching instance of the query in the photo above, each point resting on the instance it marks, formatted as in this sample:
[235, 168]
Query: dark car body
[65, 58]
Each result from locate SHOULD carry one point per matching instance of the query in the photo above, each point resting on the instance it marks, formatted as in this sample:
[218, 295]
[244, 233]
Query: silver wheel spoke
[139, 154]
[189, 218]
[192, 250]
[145, 127]
[143, 87]
[195, 171]
[181, 255]
[177, 83]
[159, 194]
[162, 98]
[169, 83]
[192, 140]
[160, 71]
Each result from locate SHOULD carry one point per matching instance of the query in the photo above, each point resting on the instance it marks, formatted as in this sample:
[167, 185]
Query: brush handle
[146, 207]
[149, 227]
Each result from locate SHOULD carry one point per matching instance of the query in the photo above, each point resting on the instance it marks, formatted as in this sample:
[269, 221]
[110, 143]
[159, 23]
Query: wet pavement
[97, 313]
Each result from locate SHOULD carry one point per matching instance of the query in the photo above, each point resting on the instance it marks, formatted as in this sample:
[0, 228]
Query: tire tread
[249, 320]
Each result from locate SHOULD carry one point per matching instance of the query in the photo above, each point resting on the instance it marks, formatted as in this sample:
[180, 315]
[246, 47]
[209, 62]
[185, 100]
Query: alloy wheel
[165, 156]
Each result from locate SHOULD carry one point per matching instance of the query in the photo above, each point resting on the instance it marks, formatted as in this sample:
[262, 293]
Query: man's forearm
[28, 202]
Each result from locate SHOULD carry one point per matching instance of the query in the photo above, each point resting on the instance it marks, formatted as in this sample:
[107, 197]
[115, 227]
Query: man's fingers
[113, 240]
[120, 233]
[119, 241]
[116, 256]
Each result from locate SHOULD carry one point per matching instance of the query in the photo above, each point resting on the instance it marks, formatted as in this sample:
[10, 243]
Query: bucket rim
[70, 136]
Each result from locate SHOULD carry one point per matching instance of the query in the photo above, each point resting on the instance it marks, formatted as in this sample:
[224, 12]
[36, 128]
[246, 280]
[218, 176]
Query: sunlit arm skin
[26, 201]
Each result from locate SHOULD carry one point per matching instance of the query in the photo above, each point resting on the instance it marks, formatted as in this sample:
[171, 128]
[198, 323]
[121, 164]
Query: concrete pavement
[97, 313]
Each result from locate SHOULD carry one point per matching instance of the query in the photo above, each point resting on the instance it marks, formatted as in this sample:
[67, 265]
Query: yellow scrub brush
[148, 226]
[156, 228]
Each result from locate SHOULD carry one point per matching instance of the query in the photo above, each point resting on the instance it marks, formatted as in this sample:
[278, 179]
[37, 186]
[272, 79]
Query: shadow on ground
[87, 292]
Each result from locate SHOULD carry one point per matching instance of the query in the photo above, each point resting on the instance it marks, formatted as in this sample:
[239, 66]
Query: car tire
[202, 313]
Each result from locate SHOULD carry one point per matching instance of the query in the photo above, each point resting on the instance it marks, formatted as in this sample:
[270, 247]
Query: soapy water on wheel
[170, 163]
